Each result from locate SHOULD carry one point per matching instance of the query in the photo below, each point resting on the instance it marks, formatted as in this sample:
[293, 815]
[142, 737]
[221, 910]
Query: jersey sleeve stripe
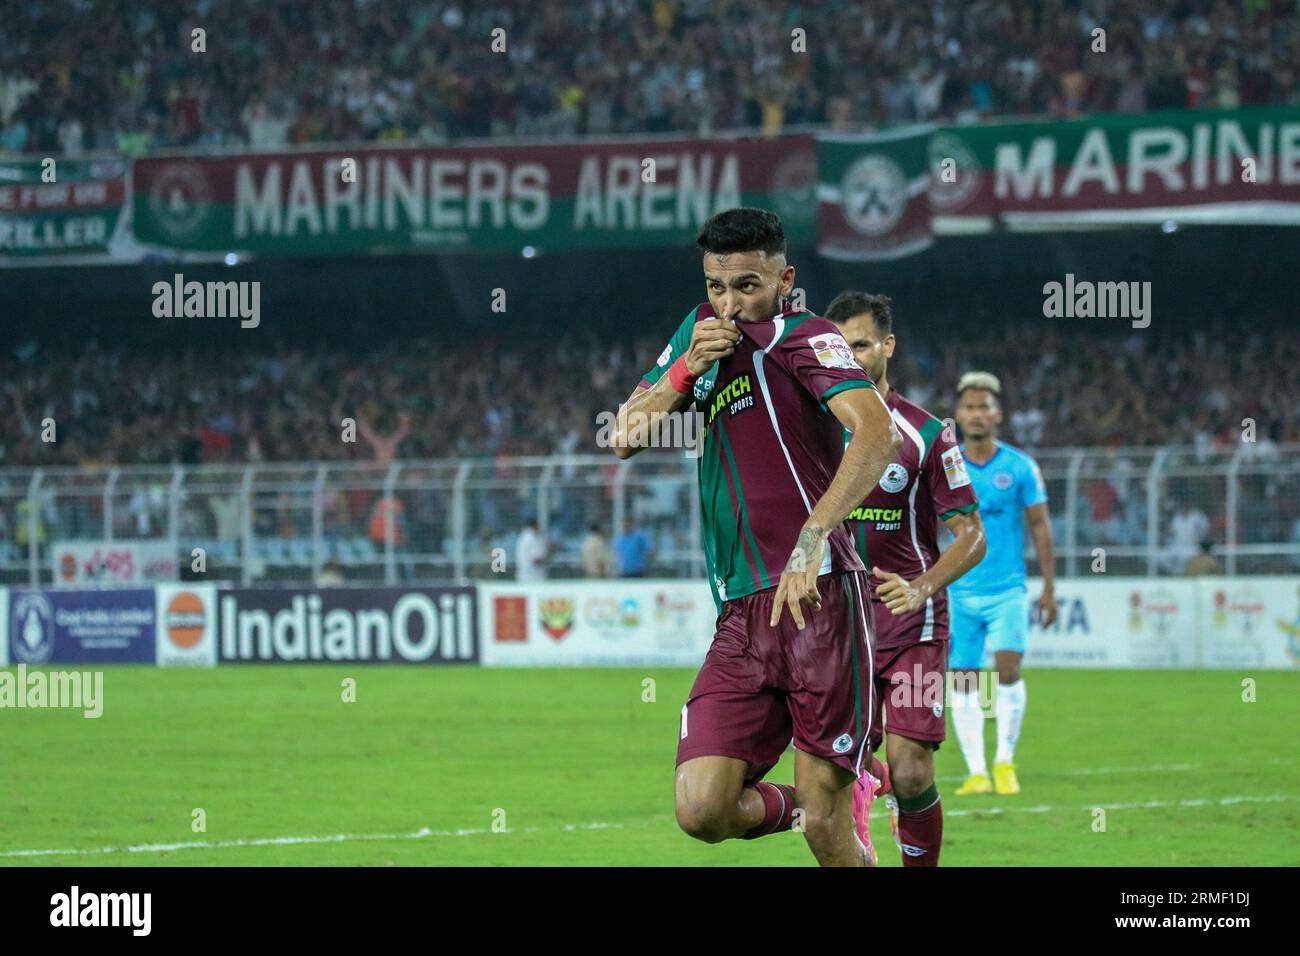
[844, 386]
[963, 510]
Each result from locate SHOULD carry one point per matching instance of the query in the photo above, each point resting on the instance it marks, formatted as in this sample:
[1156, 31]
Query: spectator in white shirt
[531, 554]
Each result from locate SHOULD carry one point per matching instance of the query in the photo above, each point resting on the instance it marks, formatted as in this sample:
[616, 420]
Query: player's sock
[969, 721]
[778, 809]
[1011, 714]
[920, 828]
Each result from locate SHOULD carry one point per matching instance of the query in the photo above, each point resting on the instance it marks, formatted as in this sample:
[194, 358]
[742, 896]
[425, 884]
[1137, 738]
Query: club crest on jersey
[954, 468]
[1003, 480]
[895, 478]
[832, 351]
[843, 744]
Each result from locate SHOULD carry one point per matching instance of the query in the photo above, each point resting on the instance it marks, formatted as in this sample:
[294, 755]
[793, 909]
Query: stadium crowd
[428, 399]
[77, 75]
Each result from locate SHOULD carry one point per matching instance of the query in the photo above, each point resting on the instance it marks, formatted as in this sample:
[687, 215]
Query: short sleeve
[945, 474]
[676, 347]
[1033, 490]
[820, 358]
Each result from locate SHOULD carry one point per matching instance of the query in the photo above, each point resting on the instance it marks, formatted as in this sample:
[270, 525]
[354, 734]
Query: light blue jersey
[1005, 485]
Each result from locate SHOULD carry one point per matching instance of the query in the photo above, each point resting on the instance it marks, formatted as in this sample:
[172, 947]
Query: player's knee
[911, 777]
[820, 828]
[703, 820]
[817, 818]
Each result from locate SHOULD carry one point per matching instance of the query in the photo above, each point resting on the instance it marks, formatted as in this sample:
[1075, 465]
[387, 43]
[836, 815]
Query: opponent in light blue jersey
[989, 605]
[1005, 486]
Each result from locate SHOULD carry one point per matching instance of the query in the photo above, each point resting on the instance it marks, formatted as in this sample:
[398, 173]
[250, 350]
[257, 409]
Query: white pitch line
[421, 834]
[1139, 805]
[1100, 771]
[425, 832]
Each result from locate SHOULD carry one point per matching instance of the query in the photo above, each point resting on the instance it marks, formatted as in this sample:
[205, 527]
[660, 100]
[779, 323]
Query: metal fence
[1145, 508]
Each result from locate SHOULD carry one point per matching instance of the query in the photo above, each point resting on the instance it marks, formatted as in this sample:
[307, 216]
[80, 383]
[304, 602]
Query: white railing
[1139, 508]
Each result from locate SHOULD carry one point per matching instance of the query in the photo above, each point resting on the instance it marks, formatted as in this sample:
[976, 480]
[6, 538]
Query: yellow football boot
[1004, 779]
[975, 783]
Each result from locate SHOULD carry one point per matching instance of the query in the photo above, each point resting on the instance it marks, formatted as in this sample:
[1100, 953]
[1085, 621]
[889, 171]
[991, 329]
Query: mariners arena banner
[880, 195]
[1208, 166]
[497, 198]
[60, 207]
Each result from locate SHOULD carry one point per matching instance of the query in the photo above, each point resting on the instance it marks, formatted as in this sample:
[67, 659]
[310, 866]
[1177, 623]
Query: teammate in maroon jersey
[896, 530]
[777, 386]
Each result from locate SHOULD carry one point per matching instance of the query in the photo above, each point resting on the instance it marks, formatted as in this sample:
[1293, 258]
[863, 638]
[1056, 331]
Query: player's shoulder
[1015, 451]
[1021, 457]
[700, 313]
[915, 414]
[800, 326]
[930, 429]
[697, 314]
[805, 331]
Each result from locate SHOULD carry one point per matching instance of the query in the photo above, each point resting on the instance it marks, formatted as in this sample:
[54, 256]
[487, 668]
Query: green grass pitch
[428, 765]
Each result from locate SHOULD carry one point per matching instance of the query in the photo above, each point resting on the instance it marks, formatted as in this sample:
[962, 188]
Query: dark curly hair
[848, 304]
[745, 229]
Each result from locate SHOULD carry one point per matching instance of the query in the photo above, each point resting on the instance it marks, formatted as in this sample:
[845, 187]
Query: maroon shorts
[762, 686]
[910, 686]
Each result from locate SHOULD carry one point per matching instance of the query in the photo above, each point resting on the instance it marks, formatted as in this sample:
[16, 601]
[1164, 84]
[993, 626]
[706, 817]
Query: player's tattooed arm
[872, 447]
[902, 596]
[798, 584]
[641, 415]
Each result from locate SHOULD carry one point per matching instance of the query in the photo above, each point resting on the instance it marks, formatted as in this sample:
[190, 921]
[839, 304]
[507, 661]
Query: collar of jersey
[971, 461]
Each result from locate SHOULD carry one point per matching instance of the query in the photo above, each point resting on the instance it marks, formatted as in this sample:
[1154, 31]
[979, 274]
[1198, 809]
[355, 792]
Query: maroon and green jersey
[771, 446]
[896, 528]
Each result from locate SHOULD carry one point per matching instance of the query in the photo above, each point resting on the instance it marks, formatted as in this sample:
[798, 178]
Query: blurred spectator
[121, 74]
[1203, 563]
[531, 553]
[499, 397]
[1187, 529]
[597, 558]
[633, 548]
[331, 575]
[388, 522]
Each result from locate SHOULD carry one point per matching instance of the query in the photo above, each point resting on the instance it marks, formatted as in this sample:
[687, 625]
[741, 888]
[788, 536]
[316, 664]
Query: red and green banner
[60, 207]
[872, 194]
[1226, 167]
[479, 198]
